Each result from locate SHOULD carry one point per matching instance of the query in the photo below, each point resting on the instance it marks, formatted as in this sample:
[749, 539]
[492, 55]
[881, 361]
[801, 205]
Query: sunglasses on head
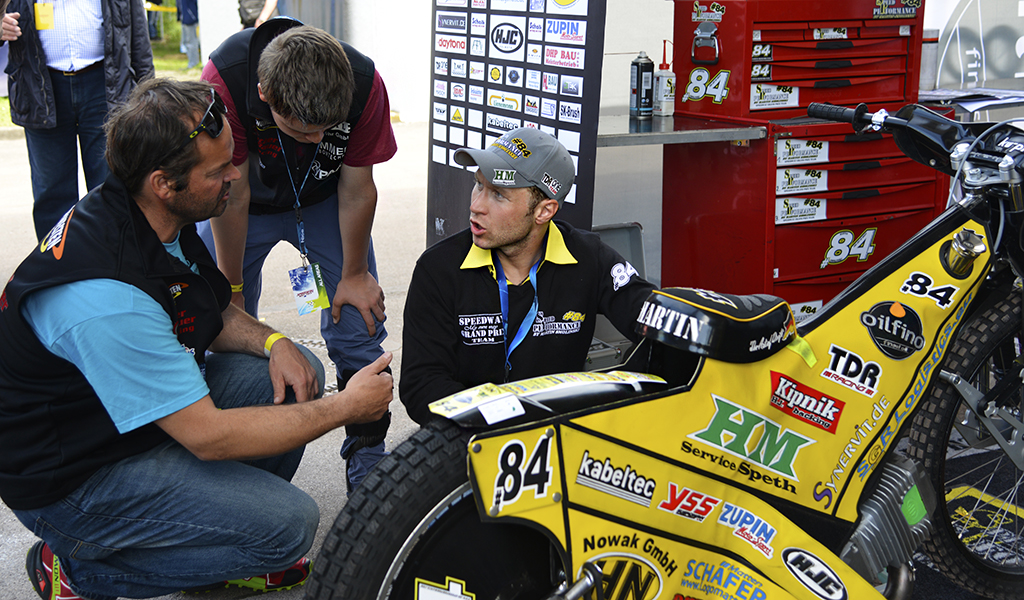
[211, 123]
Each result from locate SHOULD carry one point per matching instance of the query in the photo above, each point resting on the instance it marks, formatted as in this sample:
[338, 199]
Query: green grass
[167, 60]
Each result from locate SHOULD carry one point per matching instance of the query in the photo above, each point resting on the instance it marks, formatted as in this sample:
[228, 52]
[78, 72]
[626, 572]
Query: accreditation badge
[44, 16]
[308, 289]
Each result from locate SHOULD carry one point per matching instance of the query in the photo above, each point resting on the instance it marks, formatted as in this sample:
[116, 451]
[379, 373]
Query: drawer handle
[863, 137]
[862, 166]
[833, 64]
[832, 83]
[834, 45]
[859, 194]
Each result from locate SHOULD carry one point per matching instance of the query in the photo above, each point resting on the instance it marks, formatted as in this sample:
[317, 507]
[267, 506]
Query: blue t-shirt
[123, 341]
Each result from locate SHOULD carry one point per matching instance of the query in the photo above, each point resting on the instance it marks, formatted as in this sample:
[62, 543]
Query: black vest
[54, 431]
[271, 189]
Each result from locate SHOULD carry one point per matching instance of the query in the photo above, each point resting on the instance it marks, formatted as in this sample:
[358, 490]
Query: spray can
[641, 87]
[664, 86]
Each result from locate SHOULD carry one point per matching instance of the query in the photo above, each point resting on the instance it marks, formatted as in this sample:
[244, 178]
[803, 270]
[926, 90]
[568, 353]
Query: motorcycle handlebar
[830, 112]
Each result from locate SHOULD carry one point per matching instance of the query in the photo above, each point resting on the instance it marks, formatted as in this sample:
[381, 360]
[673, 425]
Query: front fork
[985, 409]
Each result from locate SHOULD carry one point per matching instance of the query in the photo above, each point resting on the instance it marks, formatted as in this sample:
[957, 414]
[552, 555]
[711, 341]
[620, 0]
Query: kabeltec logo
[621, 482]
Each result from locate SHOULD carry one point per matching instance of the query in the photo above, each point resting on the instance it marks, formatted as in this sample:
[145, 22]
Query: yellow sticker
[44, 16]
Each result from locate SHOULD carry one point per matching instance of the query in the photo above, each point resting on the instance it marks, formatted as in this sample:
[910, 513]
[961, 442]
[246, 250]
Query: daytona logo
[624, 483]
[807, 404]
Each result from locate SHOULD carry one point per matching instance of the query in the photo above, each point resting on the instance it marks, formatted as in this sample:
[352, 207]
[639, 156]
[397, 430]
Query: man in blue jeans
[311, 118]
[149, 427]
[70, 62]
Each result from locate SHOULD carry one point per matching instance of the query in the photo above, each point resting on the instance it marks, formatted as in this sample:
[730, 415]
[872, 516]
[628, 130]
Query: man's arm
[429, 343]
[357, 203]
[230, 230]
[288, 367]
[621, 292]
[260, 431]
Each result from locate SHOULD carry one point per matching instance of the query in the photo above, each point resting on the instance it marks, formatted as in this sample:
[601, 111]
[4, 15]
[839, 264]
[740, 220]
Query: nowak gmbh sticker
[814, 574]
[895, 328]
[805, 403]
[621, 482]
[748, 527]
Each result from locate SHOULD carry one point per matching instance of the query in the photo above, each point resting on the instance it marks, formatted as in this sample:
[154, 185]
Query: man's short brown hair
[305, 74]
[156, 119]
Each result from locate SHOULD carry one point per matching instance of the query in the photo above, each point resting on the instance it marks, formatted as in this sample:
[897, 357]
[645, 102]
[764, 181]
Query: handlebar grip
[831, 112]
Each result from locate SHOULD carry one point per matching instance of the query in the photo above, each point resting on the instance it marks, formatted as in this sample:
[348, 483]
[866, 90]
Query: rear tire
[414, 520]
[979, 523]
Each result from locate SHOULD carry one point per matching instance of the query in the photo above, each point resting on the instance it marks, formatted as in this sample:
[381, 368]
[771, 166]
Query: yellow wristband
[270, 342]
[236, 288]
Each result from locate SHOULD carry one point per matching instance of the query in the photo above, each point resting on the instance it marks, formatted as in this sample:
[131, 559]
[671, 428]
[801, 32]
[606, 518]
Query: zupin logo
[754, 437]
[55, 239]
[748, 527]
[507, 38]
[688, 503]
[895, 329]
[624, 483]
[814, 574]
[806, 404]
[850, 370]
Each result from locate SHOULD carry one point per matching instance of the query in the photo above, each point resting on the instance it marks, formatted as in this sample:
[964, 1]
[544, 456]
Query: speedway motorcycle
[737, 455]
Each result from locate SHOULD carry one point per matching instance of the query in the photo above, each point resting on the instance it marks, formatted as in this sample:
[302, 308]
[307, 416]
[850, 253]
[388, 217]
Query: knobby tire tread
[367, 534]
[978, 340]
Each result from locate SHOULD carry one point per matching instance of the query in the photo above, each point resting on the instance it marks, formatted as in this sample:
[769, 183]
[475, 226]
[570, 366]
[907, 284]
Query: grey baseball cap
[524, 157]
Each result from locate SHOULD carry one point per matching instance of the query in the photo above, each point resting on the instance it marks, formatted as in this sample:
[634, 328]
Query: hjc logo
[628, 577]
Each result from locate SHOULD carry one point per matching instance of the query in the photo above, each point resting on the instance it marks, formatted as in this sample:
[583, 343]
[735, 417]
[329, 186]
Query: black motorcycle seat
[726, 327]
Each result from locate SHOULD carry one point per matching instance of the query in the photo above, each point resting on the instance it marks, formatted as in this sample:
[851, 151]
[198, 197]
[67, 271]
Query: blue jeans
[163, 520]
[81, 106]
[349, 345]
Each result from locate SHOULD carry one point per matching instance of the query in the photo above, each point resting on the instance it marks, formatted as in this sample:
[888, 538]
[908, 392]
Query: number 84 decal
[516, 472]
[843, 245]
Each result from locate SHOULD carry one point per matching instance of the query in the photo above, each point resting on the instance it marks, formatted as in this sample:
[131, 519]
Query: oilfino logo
[895, 328]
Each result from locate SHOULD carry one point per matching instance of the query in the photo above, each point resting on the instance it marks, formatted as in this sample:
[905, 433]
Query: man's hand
[370, 391]
[364, 293]
[9, 30]
[289, 367]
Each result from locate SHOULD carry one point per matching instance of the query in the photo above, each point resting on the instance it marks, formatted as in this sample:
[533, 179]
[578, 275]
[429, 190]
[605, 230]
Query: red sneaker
[48, 579]
[293, 576]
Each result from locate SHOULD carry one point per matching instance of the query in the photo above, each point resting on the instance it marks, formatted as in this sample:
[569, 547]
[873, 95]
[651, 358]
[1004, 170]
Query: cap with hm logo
[524, 157]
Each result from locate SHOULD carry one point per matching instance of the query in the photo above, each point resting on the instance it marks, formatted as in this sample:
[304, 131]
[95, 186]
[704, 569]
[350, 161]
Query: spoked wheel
[979, 538]
[411, 530]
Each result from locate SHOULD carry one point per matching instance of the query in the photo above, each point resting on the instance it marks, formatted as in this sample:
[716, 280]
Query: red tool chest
[804, 212]
[800, 214]
[769, 59]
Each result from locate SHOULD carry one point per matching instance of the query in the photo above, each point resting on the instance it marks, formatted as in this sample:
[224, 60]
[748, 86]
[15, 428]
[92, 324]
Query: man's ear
[160, 185]
[259, 90]
[545, 210]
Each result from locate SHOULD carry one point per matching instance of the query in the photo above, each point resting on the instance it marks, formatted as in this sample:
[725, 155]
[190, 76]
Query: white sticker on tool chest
[800, 152]
[764, 96]
[795, 181]
[904, 30]
[831, 33]
[757, 35]
[799, 210]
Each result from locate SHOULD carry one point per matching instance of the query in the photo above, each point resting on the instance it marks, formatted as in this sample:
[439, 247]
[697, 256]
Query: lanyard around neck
[528, 320]
[299, 226]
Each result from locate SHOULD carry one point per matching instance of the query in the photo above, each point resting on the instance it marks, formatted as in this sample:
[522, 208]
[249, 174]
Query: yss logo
[688, 503]
[628, 577]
